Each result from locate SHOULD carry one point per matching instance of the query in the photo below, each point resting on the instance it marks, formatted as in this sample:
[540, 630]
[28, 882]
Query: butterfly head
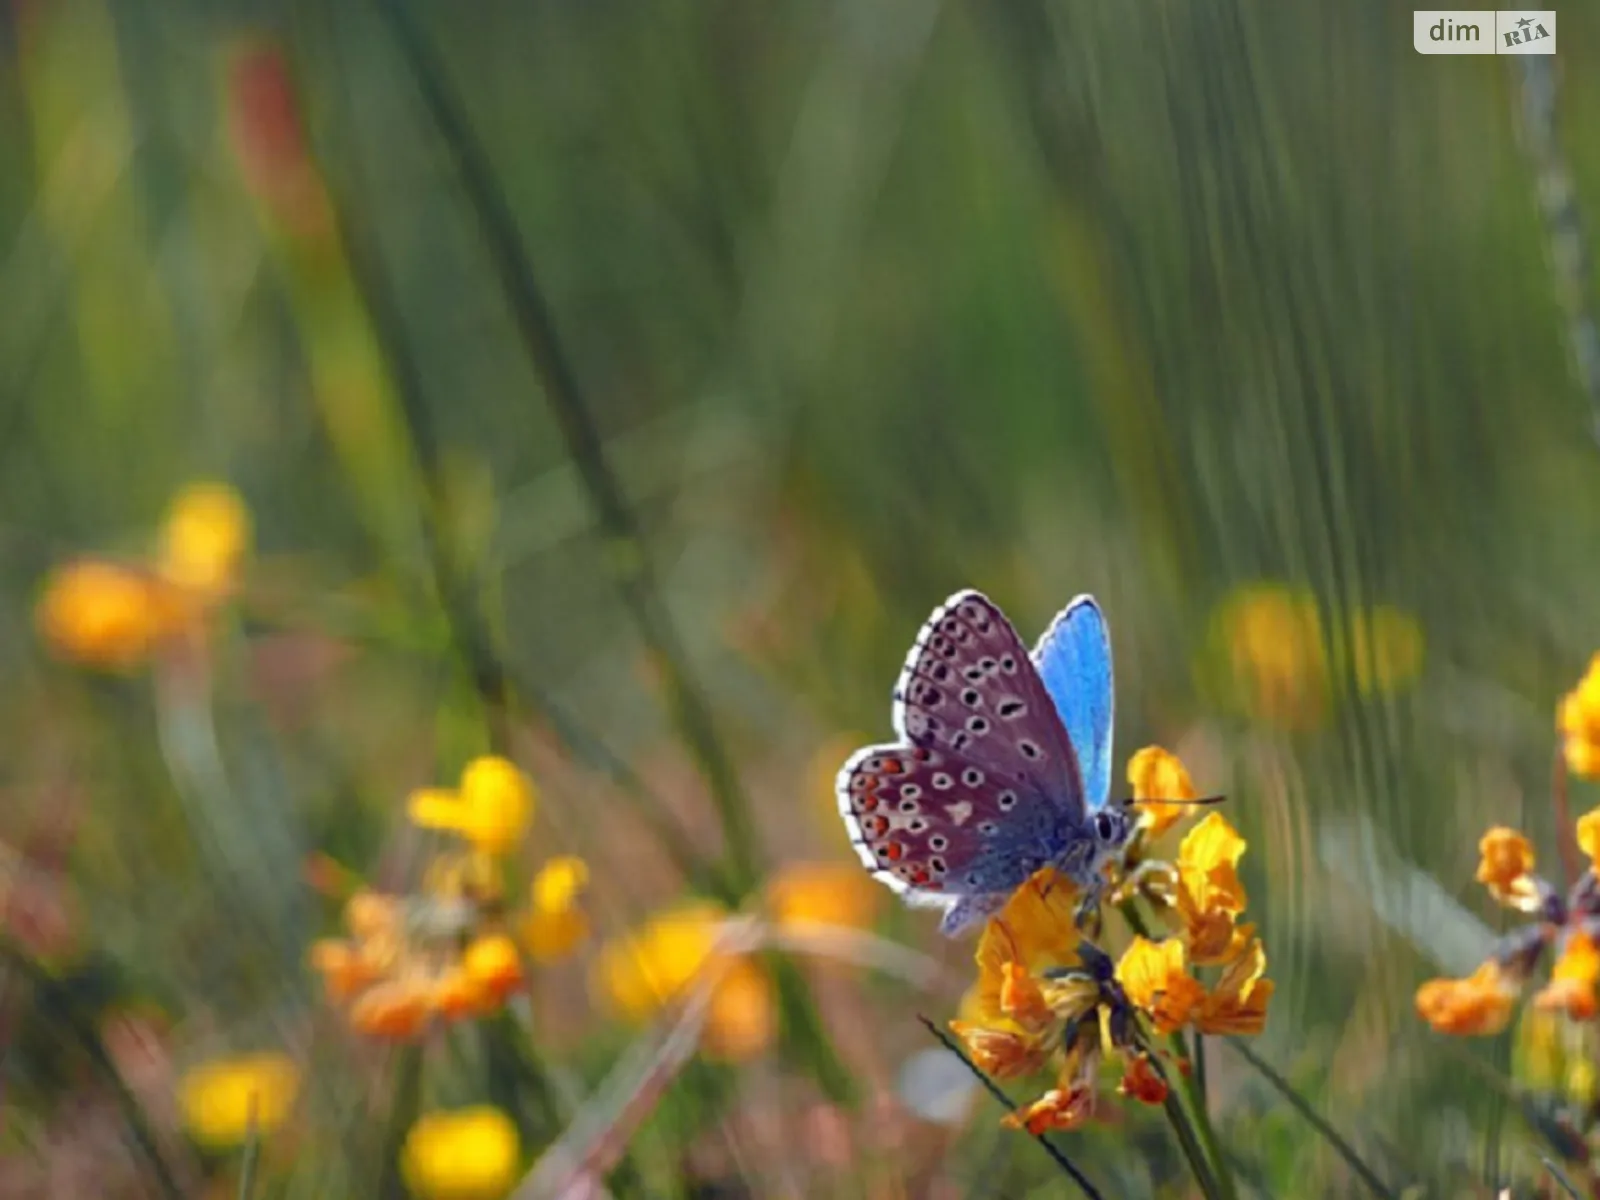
[1112, 829]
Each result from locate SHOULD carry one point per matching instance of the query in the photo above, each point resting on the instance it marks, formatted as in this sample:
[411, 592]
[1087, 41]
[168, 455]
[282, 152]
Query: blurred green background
[823, 310]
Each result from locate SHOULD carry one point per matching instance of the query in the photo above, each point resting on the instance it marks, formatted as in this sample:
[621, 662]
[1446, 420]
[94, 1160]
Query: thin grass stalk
[1560, 1176]
[251, 1155]
[1057, 1155]
[628, 553]
[85, 1033]
[1301, 1105]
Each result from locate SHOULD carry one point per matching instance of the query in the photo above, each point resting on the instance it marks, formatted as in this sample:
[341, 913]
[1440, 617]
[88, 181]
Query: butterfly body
[1003, 764]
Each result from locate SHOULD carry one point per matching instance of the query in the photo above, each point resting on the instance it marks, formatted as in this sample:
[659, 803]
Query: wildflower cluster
[112, 615]
[1483, 1002]
[1048, 997]
[457, 949]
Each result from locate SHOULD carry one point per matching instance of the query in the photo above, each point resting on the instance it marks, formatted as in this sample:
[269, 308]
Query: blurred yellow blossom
[1476, 1006]
[663, 960]
[220, 1099]
[492, 961]
[653, 965]
[1281, 653]
[742, 1019]
[1572, 979]
[205, 538]
[111, 616]
[1505, 867]
[1156, 775]
[1578, 719]
[491, 809]
[556, 925]
[1272, 639]
[461, 1154]
[1386, 647]
[824, 894]
[107, 616]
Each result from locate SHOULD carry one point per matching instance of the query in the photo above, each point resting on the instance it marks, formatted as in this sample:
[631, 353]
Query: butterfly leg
[969, 911]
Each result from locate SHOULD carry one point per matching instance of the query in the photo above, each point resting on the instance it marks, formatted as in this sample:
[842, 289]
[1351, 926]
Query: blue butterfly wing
[1073, 659]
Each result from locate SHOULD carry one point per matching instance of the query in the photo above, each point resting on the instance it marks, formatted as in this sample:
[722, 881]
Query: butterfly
[1003, 764]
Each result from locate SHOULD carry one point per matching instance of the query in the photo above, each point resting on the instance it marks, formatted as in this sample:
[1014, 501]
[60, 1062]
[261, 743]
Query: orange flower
[1142, 1082]
[1156, 979]
[1210, 895]
[107, 616]
[825, 894]
[1572, 979]
[1001, 1051]
[1156, 775]
[1057, 1109]
[1506, 868]
[742, 1019]
[1238, 1004]
[397, 1010]
[1476, 1006]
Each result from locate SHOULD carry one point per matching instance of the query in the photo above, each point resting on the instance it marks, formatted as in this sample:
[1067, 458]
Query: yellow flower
[555, 925]
[463, 1154]
[824, 894]
[1156, 775]
[492, 962]
[1572, 980]
[1037, 929]
[1386, 647]
[206, 535]
[491, 809]
[107, 616]
[220, 1099]
[742, 1019]
[1589, 836]
[1271, 637]
[1578, 719]
[1210, 895]
[1476, 1006]
[1505, 867]
[1238, 1004]
[652, 966]
[1156, 979]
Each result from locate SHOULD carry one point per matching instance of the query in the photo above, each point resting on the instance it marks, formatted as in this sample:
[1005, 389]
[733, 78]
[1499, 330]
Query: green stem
[1197, 1116]
[1331, 1135]
[87, 1035]
[252, 1155]
[402, 1115]
[1183, 1127]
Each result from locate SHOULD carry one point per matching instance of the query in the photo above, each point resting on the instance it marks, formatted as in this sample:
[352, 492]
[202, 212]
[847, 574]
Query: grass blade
[1302, 1106]
[1057, 1155]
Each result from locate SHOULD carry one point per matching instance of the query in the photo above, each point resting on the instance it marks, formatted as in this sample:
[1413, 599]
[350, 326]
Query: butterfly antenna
[1202, 801]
